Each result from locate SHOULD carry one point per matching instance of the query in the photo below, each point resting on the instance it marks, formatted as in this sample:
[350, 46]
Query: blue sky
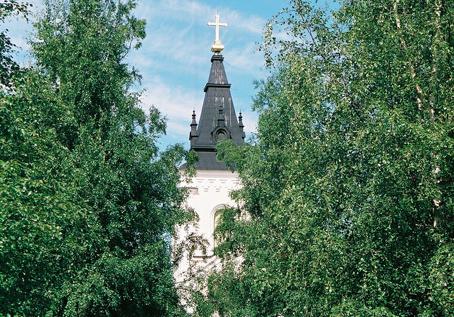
[174, 59]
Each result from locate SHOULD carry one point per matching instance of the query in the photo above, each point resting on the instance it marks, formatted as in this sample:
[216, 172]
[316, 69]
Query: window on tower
[221, 135]
[217, 220]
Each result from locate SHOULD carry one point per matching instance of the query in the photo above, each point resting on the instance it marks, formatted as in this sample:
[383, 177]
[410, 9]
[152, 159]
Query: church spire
[218, 120]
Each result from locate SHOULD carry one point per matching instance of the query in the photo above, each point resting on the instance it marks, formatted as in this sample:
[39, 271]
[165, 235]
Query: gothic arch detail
[216, 216]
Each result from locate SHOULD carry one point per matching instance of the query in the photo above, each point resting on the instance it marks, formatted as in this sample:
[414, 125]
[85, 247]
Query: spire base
[217, 47]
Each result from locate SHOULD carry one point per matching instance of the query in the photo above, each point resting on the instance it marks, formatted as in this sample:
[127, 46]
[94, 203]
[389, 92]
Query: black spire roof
[218, 119]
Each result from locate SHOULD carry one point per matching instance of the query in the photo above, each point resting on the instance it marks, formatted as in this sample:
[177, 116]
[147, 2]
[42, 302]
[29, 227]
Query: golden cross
[217, 46]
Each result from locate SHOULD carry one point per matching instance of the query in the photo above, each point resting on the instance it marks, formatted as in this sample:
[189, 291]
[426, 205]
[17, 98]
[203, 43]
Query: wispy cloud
[175, 102]
[250, 122]
[190, 10]
[174, 58]
[246, 59]
[173, 43]
[177, 33]
[174, 29]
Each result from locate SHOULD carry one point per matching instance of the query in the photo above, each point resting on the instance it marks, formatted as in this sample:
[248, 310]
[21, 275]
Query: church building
[210, 187]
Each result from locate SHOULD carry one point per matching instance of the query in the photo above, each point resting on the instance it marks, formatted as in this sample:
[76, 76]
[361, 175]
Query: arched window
[217, 216]
[221, 135]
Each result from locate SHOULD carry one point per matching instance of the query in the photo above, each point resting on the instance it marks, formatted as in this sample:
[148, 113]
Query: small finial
[241, 125]
[193, 133]
[194, 122]
[217, 46]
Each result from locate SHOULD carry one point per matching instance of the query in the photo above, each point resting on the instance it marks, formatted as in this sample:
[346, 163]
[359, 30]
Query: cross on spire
[217, 46]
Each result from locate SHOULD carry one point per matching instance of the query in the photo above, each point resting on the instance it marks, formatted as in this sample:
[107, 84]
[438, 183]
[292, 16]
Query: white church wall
[209, 191]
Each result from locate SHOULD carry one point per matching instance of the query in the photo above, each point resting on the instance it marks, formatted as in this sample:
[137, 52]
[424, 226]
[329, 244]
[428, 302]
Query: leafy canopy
[349, 186]
[87, 203]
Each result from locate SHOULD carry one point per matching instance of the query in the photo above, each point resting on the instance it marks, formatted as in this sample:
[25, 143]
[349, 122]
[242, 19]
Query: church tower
[218, 120]
[209, 189]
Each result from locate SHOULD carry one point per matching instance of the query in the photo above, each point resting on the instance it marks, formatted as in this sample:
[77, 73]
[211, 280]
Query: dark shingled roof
[218, 118]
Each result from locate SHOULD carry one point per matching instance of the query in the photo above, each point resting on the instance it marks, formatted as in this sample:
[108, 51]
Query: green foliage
[441, 278]
[8, 66]
[349, 187]
[87, 204]
[352, 309]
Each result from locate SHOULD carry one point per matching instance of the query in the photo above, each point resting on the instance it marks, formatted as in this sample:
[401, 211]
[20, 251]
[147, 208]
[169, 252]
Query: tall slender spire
[218, 110]
[218, 120]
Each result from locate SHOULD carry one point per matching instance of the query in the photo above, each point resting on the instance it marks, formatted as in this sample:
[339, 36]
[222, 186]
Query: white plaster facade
[209, 191]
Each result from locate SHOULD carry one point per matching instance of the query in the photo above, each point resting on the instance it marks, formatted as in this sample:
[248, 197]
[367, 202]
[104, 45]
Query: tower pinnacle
[217, 46]
[217, 120]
